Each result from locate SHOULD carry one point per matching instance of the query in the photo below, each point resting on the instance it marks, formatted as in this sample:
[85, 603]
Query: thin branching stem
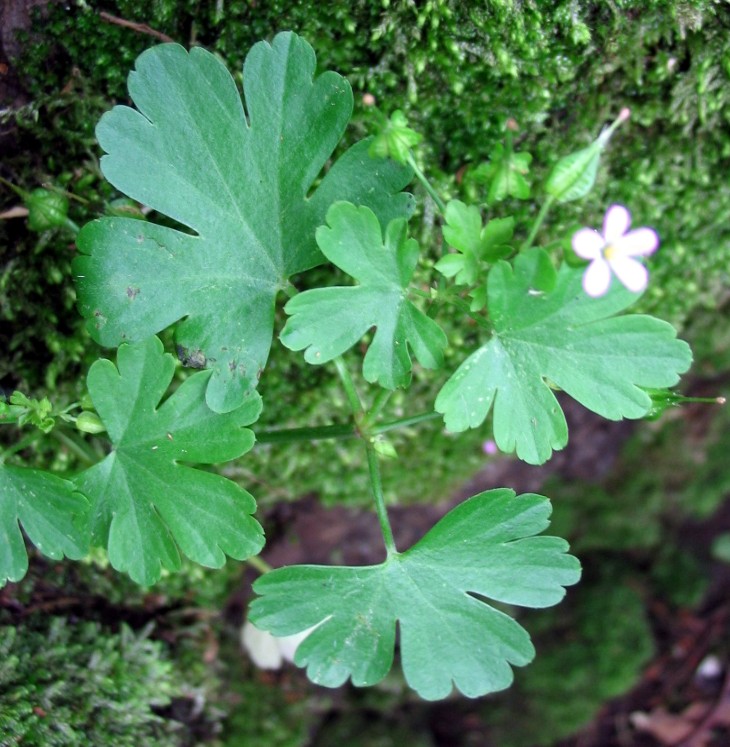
[339, 432]
[314, 433]
[20, 445]
[380, 401]
[382, 511]
[74, 446]
[405, 422]
[349, 386]
[259, 564]
[426, 184]
[358, 413]
[538, 222]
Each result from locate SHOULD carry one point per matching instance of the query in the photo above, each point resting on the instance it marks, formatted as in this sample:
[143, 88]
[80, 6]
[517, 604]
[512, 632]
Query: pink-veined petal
[587, 243]
[615, 223]
[631, 273]
[597, 278]
[639, 243]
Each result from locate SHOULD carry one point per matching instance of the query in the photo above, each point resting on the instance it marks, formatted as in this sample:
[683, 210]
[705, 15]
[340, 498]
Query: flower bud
[46, 209]
[89, 422]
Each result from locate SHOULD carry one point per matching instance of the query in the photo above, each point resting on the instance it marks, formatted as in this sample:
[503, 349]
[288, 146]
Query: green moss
[262, 713]
[76, 684]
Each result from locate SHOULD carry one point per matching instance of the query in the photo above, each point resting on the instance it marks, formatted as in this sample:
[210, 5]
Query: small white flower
[268, 651]
[614, 251]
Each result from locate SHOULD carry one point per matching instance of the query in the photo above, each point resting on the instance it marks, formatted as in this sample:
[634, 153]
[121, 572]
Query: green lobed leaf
[437, 592]
[465, 232]
[325, 322]
[395, 139]
[23, 410]
[46, 209]
[147, 503]
[54, 516]
[241, 182]
[560, 337]
[505, 174]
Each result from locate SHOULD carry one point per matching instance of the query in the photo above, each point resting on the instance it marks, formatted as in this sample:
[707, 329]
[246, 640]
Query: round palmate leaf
[436, 592]
[242, 182]
[146, 503]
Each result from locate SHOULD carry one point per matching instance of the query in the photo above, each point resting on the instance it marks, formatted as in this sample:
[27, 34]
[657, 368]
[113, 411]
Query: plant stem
[20, 445]
[381, 399]
[464, 306]
[257, 562]
[404, 422]
[358, 413]
[380, 508]
[349, 386]
[538, 222]
[338, 431]
[315, 433]
[444, 297]
[426, 184]
[74, 446]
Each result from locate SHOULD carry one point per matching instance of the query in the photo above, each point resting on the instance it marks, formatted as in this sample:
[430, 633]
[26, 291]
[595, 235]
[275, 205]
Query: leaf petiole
[404, 422]
[74, 446]
[444, 296]
[411, 161]
[358, 412]
[348, 385]
[377, 486]
[381, 399]
[316, 433]
[20, 445]
[339, 431]
[538, 222]
[259, 564]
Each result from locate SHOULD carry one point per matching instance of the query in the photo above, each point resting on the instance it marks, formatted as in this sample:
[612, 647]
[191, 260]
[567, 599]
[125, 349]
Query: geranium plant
[248, 197]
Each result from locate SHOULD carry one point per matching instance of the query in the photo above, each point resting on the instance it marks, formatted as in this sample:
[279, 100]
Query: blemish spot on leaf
[132, 293]
[100, 319]
[191, 358]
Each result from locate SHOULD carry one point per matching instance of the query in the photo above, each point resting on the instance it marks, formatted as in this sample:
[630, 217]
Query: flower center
[609, 252]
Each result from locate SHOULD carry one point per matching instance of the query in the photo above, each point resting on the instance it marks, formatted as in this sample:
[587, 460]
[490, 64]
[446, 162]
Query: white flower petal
[615, 223]
[631, 273]
[261, 646]
[289, 644]
[638, 243]
[597, 278]
[587, 243]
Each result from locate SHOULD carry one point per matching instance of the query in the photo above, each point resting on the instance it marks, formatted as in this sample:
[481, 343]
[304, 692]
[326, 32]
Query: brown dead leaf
[671, 728]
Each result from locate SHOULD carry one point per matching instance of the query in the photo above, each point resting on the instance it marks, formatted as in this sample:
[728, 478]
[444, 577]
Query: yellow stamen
[609, 252]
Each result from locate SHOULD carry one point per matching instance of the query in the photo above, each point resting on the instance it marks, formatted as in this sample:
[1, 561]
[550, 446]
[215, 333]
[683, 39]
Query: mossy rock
[66, 684]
